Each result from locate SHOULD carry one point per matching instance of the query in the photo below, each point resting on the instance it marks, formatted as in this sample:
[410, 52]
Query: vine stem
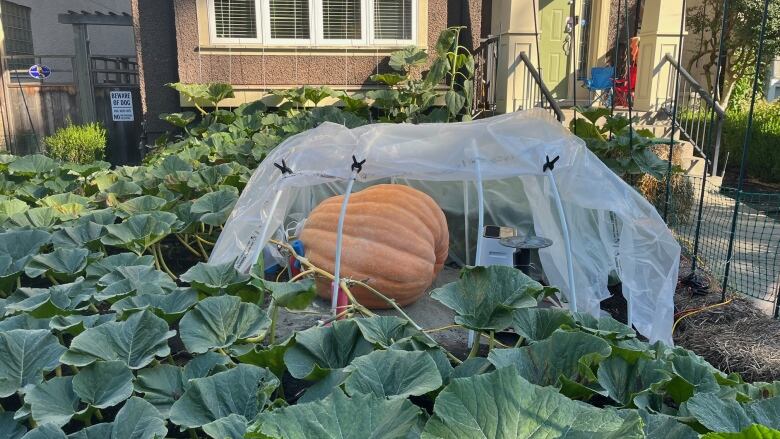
[187, 246]
[352, 299]
[193, 434]
[52, 279]
[442, 328]
[337, 316]
[162, 262]
[205, 241]
[475, 347]
[301, 274]
[202, 250]
[274, 318]
[492, 340]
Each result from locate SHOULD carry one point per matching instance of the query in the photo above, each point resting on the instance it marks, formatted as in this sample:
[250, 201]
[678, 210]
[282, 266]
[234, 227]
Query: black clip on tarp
[283, 168]
[550, 164]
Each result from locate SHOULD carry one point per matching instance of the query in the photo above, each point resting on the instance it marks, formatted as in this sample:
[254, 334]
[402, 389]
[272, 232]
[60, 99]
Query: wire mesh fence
[755, 260]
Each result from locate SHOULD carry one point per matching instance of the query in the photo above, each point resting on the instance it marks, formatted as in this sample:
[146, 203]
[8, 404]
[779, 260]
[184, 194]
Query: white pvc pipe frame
[339, 242]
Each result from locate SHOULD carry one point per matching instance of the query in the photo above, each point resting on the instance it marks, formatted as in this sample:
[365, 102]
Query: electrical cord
[689, 312]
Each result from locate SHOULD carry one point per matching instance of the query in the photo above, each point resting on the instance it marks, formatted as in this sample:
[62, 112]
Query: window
[314, 22]
[17, 28]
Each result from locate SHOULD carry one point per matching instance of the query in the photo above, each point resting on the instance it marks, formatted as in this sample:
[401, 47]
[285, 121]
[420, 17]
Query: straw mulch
[736, 337]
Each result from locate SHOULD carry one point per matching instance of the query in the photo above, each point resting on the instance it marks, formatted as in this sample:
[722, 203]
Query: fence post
[82, 74]
[716, 150]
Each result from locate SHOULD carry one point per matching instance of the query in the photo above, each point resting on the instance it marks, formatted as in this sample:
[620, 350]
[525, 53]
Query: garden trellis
[613, 229]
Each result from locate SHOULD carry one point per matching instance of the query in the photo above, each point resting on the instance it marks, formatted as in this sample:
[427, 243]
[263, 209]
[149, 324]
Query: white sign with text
[122, 106]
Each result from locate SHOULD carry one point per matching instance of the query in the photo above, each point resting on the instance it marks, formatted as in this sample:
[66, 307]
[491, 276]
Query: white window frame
[221, 40]
[316, 31]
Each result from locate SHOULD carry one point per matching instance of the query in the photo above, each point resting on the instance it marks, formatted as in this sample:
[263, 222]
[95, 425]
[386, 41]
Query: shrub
[763, 161]
[77, 143]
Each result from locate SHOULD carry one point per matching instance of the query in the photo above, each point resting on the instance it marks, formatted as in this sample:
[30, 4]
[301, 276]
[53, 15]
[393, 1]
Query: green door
[554, 45]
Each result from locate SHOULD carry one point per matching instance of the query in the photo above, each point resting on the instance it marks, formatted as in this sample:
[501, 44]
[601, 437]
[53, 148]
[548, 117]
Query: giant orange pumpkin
[395, 239]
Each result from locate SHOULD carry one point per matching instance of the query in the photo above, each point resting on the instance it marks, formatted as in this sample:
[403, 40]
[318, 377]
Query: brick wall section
[281, 70]
[153, 22]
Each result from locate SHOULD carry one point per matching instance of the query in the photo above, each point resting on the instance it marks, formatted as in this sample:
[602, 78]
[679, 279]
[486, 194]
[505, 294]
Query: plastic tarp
[614, 230]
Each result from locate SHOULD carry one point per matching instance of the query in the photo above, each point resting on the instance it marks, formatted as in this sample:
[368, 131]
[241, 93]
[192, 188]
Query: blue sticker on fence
[39, 72]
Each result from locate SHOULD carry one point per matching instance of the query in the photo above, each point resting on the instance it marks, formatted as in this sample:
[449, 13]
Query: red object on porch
[625, 88]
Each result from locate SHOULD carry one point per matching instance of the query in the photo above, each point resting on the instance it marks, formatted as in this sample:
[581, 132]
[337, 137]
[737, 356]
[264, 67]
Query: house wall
[257, 68]
[52, 38]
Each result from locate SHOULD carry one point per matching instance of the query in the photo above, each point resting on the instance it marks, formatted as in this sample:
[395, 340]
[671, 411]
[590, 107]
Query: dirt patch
[734, 337]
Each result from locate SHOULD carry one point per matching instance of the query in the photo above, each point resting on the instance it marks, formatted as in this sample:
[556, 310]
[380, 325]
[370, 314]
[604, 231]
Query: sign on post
[39, 72]
[122, 106]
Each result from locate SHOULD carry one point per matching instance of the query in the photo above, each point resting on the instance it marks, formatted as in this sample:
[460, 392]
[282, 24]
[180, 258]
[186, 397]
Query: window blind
[341, 19]
[289, 19]
[235, 18]
[393, 19]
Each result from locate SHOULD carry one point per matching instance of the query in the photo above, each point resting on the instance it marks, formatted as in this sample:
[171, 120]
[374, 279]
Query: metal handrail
[548, 97]
[696, 133]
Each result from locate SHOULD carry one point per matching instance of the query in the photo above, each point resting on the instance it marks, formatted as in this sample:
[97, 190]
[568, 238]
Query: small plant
[81, 144]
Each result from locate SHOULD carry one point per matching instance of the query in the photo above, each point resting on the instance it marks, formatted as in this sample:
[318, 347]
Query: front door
[555, 45]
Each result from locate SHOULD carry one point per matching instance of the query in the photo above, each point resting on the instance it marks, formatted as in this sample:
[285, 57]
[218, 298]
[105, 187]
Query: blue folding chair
[600, 84]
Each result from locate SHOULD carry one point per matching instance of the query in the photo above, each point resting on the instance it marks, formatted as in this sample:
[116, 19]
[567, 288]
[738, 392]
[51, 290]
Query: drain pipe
[548, 166]
[480, 221]
[338, 297]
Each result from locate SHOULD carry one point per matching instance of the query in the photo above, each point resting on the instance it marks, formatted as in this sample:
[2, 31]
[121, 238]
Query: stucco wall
[52, 38]
[154, 20]
[346, 69]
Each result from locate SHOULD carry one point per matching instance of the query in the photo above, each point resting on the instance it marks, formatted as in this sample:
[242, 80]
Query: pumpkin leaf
[108, 264]
[138, 279]
[214, 208]
[393, 374]
[138, 419]
[10, 207]
[136, 342]
[409, 56]
[230, 427]
[485, 297]
[25, 356]
[535, 324]
[384, 331]
[30, 165]
[658, 426]
[161, 385]
[180, 120]
[169, 306]
[727, 415]
[501, 404]
[139, 232]
[53, 401]
[216, 279]
[80, 236]
[138, 205]
[64, 264]
[319, 349]
[97, 431]
[76, 324]
[339, 416]
[56, 300]
[46, 431]
[755, 431]
[563, 358]
[104, 383]
[623, 380]
[9, 427]
[36, 218]
[243, 390]
[290, 295]
[218, 322]
[21, 245]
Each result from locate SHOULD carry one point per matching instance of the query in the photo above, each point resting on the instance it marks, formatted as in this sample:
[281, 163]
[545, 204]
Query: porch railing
[485, 78]
[531, 91]
[699, 118]
[535, 93]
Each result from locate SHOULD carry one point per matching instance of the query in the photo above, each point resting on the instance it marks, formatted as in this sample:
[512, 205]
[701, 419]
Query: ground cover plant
[114, 325]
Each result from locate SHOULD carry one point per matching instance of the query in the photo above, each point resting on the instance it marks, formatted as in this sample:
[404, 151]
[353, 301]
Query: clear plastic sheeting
[614, 230]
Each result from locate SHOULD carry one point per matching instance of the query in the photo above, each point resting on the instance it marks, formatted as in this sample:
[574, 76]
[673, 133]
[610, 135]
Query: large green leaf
[138, 205]
[485, 297]
[36, 218]
[362, 416]
[727, 415]
[23, 321]
[215, 207]
[76, 324]
[657, 426]
[502, 405]
[10, 207]
[10, 428]
[230, 427]
[536, 324]
[63, 264]
[290, 295]
[108, 264]
[563, 358]
[138, 279]
[136, 342]
[755, 431]
[623, 380]
[218, 322]
[62, 199]
[53, 401]
[46, 431]
[138, 419]
[211, 94]
[20, 246]
[455, 101]
[321, 348]
[385, 330]
[169, 306]
[409, 56]
[139, 232]
[215, 279]
[691, 374]
[25, 356]
[243, 390]
[393, 373]
[161, 385]
[32, 164]
[97, 431]
[56, 300]
[104, 383]
[79, 236]
[180, 120]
